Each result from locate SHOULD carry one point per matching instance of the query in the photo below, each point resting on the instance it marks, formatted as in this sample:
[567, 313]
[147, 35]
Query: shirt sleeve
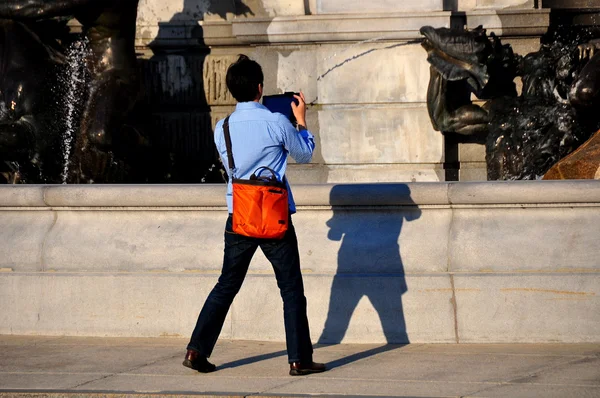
[299, 144]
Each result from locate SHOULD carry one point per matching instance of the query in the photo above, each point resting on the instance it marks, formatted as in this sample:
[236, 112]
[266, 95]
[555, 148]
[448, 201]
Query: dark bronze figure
[524, 135]
[32, 34]
[585, 92]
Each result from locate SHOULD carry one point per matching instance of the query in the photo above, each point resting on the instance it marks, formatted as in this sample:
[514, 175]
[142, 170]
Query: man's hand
[300, 109]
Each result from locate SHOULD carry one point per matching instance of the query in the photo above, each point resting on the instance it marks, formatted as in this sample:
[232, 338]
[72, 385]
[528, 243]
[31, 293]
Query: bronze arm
[42, 9]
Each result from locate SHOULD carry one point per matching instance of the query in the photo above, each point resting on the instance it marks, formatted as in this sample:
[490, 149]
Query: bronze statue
[35, 55]
[524, 135]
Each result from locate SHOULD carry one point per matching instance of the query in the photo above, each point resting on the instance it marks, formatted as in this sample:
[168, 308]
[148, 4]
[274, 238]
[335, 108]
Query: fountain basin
[456, 262]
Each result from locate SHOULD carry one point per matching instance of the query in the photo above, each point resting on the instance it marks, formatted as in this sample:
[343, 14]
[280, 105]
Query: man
[258, 138]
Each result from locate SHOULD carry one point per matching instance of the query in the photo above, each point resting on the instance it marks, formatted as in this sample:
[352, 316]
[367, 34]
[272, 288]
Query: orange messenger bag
[260, 204]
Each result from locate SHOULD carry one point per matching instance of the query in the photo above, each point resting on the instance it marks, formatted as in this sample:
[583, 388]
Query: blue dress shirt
[261, 138]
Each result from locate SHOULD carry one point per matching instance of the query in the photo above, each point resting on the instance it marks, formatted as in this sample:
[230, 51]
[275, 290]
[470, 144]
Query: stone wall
[360, 65]
[419, 262]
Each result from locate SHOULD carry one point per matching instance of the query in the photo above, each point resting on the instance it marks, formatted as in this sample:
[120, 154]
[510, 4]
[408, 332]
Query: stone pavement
[47, 366]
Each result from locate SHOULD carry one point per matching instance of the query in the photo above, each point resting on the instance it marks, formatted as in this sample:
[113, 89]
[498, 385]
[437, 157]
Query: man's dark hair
[243, 78]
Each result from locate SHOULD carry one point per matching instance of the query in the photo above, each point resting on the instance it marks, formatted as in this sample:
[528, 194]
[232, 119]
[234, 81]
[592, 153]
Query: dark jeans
[283, 255]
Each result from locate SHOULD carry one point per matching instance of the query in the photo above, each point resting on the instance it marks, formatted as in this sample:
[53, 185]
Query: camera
[281, 103]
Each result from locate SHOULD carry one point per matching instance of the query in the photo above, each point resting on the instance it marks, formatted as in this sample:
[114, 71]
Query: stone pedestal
[481, 262]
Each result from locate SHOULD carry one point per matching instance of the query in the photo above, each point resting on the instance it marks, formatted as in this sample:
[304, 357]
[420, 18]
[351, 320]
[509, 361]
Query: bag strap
[228, 144]
[257, 172]
[230, 152]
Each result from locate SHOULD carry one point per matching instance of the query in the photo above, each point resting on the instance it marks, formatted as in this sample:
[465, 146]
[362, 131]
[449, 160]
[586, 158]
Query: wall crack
[448, 257]
[46, 236]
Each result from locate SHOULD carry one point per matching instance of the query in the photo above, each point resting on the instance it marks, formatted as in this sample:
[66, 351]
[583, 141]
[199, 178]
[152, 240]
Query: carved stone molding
[329, 28]
[215, 69]
[391, 26]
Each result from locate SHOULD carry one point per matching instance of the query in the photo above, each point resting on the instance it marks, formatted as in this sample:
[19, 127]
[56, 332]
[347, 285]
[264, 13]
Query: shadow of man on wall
[369, 260]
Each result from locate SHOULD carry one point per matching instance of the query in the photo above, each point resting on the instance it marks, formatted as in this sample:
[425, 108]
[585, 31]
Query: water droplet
[76, 55]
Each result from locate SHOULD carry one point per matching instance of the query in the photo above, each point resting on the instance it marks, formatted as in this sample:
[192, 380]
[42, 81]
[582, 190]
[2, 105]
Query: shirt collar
[249, 105]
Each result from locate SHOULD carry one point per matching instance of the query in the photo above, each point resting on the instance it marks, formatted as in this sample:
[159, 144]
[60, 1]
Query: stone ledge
[333, 28]
[513, 192]
[176, 34]
[359, 194]
[370, 27]
[201, 195]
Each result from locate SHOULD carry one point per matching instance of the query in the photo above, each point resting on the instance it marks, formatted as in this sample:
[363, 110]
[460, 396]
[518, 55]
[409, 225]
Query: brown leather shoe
[305, 368]
[195, 361]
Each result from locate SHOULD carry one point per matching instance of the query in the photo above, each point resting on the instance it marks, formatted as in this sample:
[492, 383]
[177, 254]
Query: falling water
[74, 81]
[370, 50]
